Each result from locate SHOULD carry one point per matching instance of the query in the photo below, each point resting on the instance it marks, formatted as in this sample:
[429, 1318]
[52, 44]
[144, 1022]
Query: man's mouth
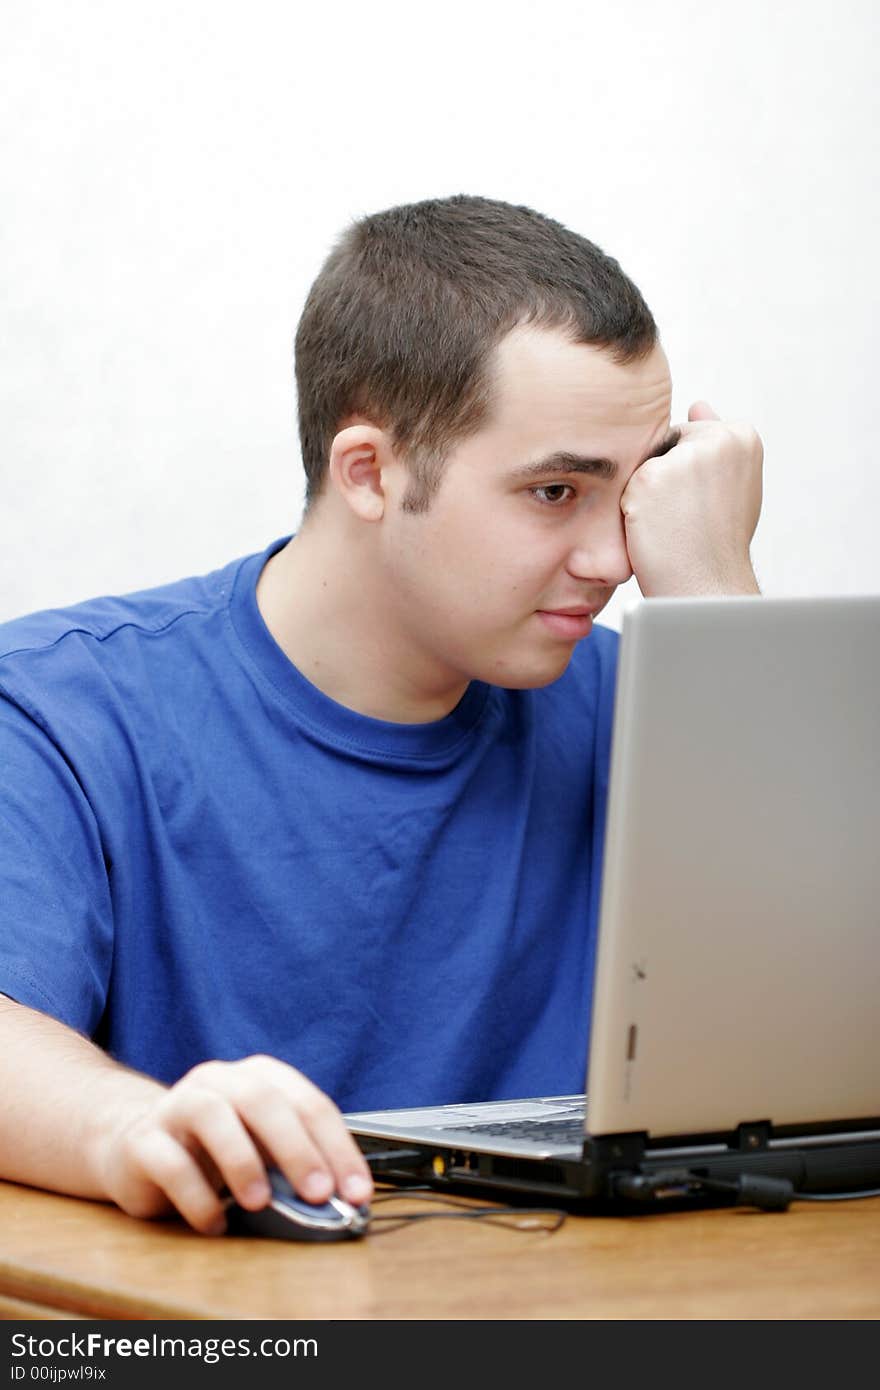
[571, 624]
[575, 610]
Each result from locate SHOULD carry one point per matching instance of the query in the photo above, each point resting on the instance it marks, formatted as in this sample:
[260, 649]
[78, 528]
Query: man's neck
[327, 608]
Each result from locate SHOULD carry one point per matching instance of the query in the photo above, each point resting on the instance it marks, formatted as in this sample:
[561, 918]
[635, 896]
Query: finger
[351, 1173]
[277, 1126]
[308, 1139]
[702, 410]
[230, 1152]
[171, 1168]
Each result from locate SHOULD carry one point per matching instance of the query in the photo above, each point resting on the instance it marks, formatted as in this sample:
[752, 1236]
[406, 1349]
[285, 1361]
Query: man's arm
[75, 1121]
[690, 515]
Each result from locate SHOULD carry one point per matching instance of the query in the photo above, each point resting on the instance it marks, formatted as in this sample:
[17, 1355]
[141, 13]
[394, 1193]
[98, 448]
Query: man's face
[514, 536]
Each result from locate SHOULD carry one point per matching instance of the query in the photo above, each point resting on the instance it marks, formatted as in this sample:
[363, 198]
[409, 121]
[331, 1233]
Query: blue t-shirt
[202, 855]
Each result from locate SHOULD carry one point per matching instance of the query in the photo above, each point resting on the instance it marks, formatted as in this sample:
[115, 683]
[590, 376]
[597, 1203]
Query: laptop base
[620, 1174]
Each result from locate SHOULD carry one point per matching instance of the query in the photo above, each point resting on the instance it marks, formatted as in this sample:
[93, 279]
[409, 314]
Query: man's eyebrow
[562, 462]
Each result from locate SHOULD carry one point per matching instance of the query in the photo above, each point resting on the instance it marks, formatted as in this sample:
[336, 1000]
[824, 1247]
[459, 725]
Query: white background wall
[173, 173]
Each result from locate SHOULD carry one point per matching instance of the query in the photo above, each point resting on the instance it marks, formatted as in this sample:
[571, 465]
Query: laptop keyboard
[563, 1134]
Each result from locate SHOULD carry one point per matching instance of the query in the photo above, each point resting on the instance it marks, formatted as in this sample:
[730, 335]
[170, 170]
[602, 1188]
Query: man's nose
[600, 554]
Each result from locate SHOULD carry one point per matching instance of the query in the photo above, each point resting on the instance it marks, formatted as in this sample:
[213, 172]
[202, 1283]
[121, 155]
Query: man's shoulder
[64, 657]
[149, 611]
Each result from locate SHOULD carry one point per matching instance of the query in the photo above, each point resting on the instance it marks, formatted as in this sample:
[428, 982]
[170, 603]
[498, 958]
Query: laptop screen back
[738, 974]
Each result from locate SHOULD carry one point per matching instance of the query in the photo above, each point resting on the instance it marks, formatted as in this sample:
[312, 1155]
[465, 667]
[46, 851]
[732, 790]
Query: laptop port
[463, 1162]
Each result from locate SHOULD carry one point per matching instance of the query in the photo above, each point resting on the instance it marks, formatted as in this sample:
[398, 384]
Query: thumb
[702, 410]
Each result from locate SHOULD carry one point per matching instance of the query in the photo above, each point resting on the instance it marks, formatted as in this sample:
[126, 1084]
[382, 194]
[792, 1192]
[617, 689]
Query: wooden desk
[61, 1257]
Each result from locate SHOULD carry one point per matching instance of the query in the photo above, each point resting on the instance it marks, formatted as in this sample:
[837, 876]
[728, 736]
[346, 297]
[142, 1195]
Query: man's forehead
[537, 368]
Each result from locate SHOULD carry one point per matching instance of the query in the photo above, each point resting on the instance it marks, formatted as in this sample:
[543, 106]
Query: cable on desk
[498, 1215]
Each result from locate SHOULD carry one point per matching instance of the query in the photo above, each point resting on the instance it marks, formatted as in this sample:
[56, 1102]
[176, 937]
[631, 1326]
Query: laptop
[733, 1037]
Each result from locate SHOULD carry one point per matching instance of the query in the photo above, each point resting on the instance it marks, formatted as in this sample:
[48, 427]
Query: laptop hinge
[753, 1136]
[607, 1153]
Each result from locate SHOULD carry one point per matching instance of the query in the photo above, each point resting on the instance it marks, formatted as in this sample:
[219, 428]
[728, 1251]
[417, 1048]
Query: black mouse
[290, 1217]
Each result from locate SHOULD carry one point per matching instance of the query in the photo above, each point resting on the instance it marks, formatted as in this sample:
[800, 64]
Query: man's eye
[552, 494]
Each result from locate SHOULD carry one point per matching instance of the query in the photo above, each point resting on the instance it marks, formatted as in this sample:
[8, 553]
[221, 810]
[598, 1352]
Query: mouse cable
[545, 1219]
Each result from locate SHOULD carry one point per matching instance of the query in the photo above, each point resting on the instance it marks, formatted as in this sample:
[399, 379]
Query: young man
[323, 829]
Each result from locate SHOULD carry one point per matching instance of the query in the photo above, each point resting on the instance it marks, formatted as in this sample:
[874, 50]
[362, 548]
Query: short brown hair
[401, 321]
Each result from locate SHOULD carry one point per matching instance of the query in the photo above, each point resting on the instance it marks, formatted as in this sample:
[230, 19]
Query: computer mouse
[290, 1217]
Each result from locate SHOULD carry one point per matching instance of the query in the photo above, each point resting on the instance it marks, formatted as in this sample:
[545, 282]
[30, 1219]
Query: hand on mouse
[690, 515]
[211, 1129]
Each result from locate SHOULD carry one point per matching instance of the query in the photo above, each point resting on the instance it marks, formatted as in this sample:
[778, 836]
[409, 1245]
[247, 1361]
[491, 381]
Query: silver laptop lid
[738, 973]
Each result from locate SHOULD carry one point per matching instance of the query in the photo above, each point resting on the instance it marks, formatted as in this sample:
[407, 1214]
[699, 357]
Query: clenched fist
[691, 514]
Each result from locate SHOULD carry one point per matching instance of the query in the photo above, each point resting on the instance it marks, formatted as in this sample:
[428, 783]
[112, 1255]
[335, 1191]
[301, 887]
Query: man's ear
[359, 455]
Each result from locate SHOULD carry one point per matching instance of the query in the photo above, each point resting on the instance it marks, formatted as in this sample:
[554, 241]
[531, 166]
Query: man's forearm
[73, 1120]
[61, 1098]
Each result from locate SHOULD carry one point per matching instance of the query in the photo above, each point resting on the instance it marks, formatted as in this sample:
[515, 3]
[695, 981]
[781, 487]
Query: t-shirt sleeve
[56, 919]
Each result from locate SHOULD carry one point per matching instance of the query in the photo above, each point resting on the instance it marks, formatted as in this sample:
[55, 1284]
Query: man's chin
[521, 676]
